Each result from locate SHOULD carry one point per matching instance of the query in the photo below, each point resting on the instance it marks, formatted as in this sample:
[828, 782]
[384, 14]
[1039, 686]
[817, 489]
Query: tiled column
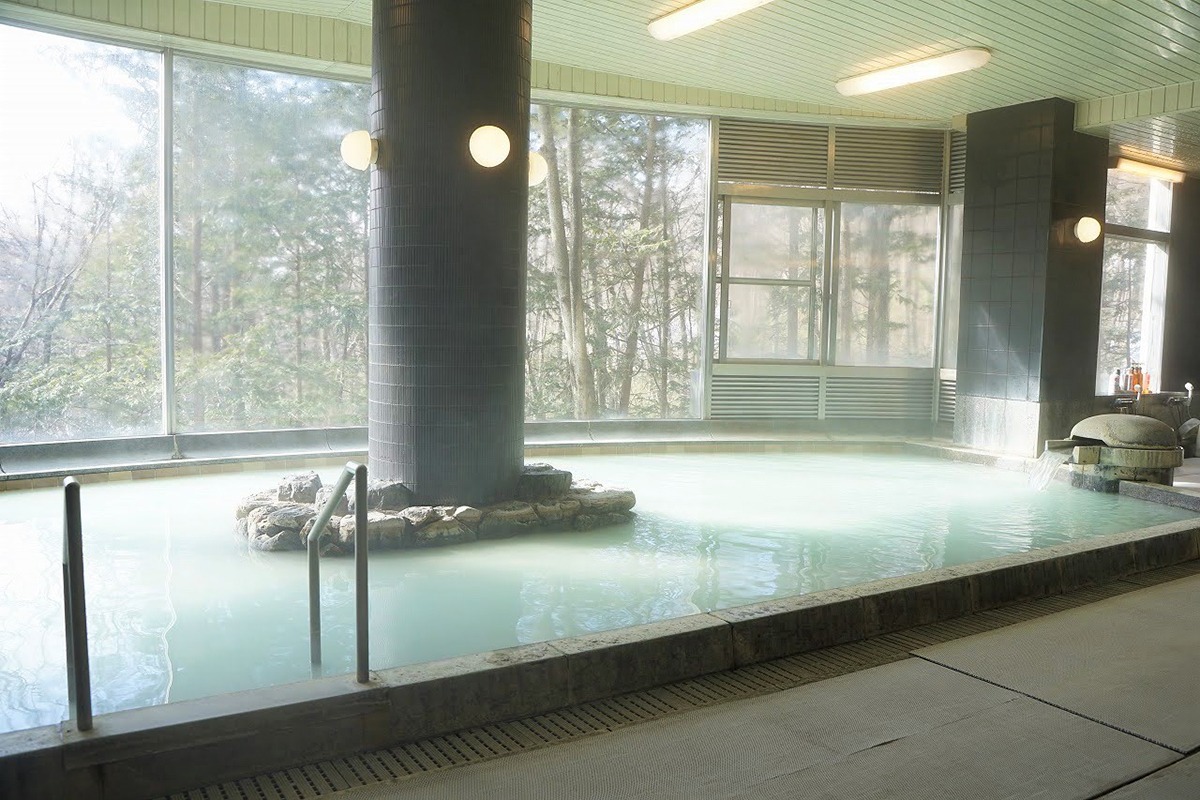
[1181, 340]
[447, 248]
[1031, 292]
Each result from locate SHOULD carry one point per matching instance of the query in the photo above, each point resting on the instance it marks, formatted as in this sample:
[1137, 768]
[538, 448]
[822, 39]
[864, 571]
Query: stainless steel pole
[360, 573]
[79, 678]
[314, 565]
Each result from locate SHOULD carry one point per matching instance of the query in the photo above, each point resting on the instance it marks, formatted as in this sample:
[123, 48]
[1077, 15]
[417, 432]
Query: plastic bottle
[1116, 381]
[1145, 383]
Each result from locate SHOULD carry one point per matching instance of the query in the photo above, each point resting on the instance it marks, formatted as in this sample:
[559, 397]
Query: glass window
[1132, 312]
[616, 258]
[79, 263]
[775, 259]
[767, 321]
[887, 281]
[771, 241]
[1133, 291]
[270, 250]
[1137, 201]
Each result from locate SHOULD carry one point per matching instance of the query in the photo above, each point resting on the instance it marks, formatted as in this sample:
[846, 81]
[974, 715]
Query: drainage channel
[473, 745]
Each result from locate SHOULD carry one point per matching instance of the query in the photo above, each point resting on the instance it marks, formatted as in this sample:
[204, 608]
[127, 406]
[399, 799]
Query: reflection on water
[178, 609]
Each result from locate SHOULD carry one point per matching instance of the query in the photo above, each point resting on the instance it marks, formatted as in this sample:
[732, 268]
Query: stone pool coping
[153, 751]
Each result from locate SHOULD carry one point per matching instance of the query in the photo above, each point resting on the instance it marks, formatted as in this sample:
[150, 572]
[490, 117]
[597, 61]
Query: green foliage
[269, 282]
[623, 232]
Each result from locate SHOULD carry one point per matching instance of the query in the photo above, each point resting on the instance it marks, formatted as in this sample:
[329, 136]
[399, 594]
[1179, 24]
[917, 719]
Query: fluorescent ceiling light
[1149, 170]
[914, 71]
[699, 15]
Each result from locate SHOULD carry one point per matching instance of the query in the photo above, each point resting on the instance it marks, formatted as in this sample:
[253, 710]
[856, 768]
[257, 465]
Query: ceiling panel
[794, 50]
[1170, 139]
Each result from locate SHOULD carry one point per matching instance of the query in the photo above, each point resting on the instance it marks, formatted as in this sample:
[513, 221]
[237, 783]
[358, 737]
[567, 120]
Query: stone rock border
[547, 499]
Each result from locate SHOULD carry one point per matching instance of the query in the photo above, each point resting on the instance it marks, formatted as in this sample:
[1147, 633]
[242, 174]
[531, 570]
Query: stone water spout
[1109, 448]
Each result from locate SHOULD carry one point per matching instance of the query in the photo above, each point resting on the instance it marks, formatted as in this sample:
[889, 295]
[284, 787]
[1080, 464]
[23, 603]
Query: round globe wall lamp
[1087, 229]
[489, 146]
[537, 168]
[359, 150]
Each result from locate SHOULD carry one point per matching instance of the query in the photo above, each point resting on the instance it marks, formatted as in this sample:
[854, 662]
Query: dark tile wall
[1030, 291]
[447, 248]
[1181, 338]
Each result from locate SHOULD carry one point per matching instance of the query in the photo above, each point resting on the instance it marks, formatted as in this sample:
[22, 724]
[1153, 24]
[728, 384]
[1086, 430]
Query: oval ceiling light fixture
[359, 150]
[699, 15]
[914, 71]
[1087, 229]
[1149, 170]
[489, 146]
[537, 168]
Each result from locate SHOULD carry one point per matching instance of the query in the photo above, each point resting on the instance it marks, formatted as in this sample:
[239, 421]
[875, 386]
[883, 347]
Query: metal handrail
[79, 677]
[357, 473]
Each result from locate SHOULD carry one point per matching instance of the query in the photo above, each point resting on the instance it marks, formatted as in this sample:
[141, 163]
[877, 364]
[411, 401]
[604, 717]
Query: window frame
[1146, 236]
[831, 200]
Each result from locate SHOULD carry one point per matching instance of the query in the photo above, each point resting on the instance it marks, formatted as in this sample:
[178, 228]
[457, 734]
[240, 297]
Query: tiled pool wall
[152, 751]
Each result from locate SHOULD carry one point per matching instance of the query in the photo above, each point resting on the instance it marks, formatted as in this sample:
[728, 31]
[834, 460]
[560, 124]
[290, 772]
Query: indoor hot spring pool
[178, 608]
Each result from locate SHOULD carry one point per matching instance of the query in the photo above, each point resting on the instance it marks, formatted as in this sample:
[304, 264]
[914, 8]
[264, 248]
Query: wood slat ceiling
[794, 50]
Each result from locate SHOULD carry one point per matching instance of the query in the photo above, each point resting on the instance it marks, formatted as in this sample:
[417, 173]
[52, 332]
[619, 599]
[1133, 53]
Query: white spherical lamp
[359, 150]
[537, 168]
[1087, 229]
[489, 146]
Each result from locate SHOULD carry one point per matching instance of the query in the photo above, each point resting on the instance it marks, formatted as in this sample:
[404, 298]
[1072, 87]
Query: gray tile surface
[1180, 781]
[907, 730]
[1129, 662]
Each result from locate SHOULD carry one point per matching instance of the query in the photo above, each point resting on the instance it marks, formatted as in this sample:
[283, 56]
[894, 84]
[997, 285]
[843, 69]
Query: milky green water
[179, 609]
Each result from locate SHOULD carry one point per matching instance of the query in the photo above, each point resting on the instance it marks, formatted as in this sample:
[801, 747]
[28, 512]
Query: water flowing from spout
[1047, 464]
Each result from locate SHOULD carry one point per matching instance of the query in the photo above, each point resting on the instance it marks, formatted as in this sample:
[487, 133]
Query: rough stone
[469, 516]
[557, 511]
[596, 498]
[445, 530]
[323, 495]
[385, 496]
[300, 487]
[385, 530]
[261, 534]
[506, 519]
[542, 481]
[293, 516]
[269, 523]
[283, 540]
[586, 522]
[1126, 430]
[421, 515]
[329, 538]
[251, 502]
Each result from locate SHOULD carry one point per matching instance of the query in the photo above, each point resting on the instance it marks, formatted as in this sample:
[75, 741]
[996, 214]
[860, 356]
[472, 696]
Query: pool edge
[153, 751]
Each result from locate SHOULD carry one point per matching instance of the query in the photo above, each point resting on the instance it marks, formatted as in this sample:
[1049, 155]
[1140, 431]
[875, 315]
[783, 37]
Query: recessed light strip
[914, 71]
[699, 15]
[1149, 170]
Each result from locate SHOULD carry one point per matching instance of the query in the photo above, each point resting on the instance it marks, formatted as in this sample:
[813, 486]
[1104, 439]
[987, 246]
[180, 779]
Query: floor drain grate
[498, 739]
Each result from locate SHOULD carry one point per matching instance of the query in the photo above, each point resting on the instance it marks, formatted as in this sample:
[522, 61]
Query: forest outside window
[1134, 282]
[774, 289]
[79, 266]
[270, 239]
[772, 280]
[887, 285]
